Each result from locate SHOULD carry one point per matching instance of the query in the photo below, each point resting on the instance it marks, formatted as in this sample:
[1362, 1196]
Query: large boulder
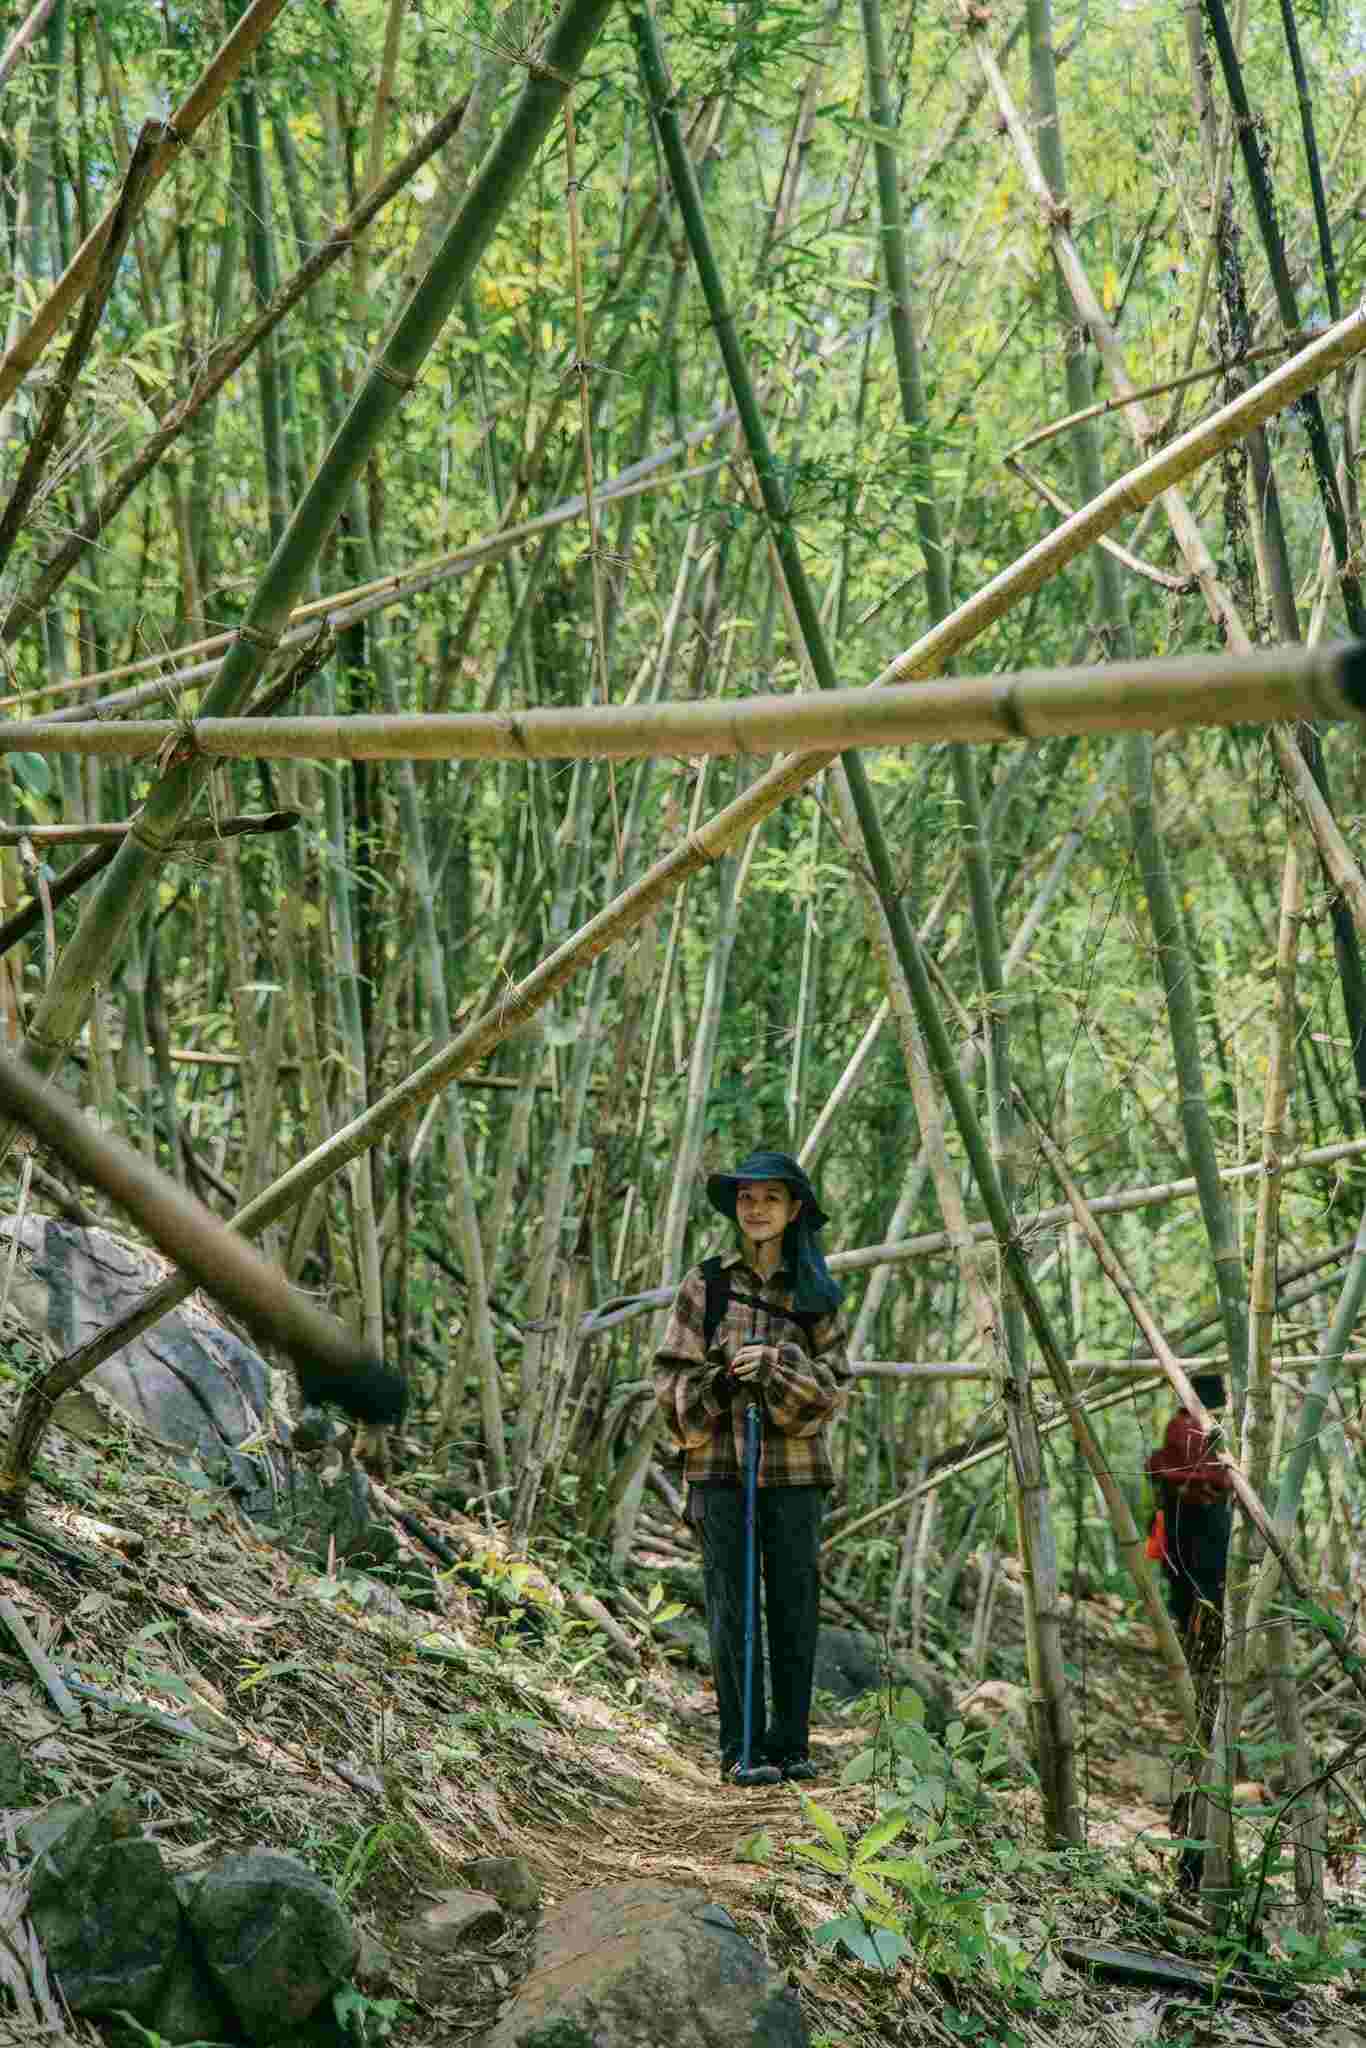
[193, 1383]
[276, 1940]
[103, 1905]
[188, 1379]
[648, 1963]
[850, 1664]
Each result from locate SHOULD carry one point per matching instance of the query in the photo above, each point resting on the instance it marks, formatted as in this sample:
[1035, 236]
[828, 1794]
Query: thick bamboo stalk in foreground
[191, 114]
[1123, 696]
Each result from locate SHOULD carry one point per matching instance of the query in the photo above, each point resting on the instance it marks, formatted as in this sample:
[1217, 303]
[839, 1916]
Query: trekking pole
[747, 1772]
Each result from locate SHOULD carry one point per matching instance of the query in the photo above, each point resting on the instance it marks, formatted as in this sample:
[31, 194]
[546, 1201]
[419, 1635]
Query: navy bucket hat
[814, 1287]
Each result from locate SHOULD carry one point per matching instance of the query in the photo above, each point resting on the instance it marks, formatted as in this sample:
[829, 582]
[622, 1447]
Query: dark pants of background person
[1197, 1556]
[789, 1538]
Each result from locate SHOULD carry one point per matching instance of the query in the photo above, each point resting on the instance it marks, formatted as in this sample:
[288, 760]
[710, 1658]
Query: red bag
[1157, 1538]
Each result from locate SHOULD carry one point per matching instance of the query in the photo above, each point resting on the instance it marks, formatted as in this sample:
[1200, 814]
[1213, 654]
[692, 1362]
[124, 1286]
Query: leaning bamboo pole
[191, 114]
[969, 1369]
[1307, 1827]
[43, 440]
[393, 373]
[23, 36]
[1167, 694]
[1050, 1702]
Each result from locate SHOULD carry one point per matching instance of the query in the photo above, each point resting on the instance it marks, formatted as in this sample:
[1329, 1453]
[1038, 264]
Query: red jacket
[1184, 1463]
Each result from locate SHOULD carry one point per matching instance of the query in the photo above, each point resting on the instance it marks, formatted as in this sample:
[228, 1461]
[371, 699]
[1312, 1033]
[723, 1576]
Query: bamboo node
[263, 641]
[400, 379]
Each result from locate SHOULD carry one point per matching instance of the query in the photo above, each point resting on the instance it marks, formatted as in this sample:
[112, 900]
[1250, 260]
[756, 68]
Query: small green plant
[935, 1789]
[659, 1609]
[364, 2019]
[361, 1858]
[152, 1675]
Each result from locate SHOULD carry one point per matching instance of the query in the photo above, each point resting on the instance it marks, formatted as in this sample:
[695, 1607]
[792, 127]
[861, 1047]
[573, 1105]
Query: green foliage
[937, 1793]
[363, 2018]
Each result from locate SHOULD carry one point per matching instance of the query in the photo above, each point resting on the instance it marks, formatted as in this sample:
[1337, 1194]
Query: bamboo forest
[592, 599]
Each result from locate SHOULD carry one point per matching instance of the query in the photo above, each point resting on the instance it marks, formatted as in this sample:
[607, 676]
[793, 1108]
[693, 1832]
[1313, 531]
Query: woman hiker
[760, 1325]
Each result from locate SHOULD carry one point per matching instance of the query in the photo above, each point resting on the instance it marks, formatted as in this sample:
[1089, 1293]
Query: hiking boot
[798, 1770]
[759, 1773]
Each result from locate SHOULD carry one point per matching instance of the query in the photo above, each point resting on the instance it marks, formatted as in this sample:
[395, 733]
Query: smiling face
[764, 1208]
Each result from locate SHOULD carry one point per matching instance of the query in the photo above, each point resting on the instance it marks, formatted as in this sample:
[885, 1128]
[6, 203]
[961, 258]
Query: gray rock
[41, 1830]
[188, 1378]
[317, 1515]
[190, 2007]
[102, 1903]
[648, 1963]
[850, 1664]
[509, 1879]
[374, 1969]
[192, 1382]
[275, 1939]
[453, 1917]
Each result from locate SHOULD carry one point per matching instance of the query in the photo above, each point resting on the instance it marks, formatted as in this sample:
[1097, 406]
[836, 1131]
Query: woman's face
[764, 1208]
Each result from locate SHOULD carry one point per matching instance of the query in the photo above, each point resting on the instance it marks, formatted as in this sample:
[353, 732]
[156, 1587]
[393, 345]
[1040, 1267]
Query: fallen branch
[113, 832]
[46, 1672]
[109, 839]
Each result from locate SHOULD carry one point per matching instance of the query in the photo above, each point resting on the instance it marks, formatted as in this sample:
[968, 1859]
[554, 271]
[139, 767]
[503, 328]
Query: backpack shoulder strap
[716, 1279]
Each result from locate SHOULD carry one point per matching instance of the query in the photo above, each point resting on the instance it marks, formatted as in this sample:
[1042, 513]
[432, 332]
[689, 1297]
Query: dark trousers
[789, 1539]
[1197, 1556]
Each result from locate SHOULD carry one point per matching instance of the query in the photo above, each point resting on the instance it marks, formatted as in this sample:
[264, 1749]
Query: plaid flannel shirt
[798, 1391]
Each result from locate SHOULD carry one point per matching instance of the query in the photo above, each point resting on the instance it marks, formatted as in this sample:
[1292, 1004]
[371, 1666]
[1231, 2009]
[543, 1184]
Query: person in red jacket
[1194, 1509]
